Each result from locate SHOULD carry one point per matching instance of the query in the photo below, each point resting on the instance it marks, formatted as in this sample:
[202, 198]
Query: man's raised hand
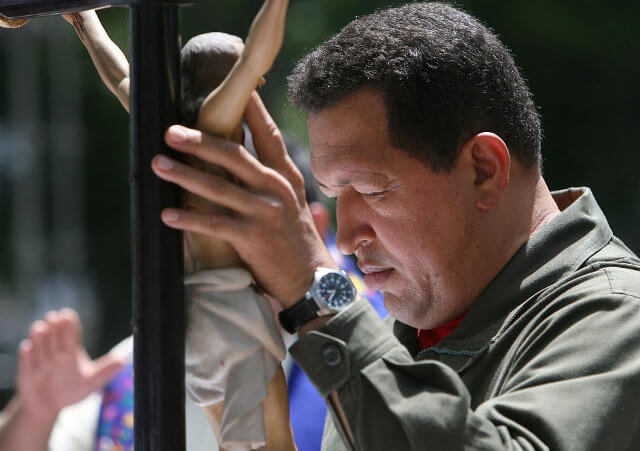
[54, 370]
[270, 224]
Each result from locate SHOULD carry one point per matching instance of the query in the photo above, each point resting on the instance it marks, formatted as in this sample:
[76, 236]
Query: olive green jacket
[548, 356]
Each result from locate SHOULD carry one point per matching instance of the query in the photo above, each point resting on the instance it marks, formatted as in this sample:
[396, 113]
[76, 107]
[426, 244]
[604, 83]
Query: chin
[410, 313]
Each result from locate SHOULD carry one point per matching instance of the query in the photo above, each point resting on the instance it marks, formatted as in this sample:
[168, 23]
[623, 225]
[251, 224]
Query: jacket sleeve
[566, 388]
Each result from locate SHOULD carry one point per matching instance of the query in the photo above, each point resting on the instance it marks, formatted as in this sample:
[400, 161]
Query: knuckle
[271, 178]
[301, 195]
[211, 223]
[290, 194]
[203, 145]
[297, 180]
[275, 211]
[273, 131]
[269, 175]
[229, 150]
[244, 153]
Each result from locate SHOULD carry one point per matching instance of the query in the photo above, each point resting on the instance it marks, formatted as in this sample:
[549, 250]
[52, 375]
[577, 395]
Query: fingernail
[164, 163]
[177, 134]
[170, 216]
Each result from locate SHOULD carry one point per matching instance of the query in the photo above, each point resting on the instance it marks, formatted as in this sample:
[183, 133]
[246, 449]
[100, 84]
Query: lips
[374, 277]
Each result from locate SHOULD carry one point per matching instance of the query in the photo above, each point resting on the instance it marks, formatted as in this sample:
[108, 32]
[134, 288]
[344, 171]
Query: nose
[353, 227]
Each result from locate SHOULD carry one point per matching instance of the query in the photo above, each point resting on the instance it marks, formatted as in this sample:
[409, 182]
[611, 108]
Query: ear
[490, 160]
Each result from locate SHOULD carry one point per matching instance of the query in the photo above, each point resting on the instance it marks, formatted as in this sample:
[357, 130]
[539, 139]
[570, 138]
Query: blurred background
[64, 139]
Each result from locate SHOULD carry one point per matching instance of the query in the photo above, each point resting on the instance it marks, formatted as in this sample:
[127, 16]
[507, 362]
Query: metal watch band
[300, 313]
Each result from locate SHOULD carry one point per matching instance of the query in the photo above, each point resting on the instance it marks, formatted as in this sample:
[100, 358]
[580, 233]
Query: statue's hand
[266, 36]
[68, 17]
[80, 17]
[6, 22]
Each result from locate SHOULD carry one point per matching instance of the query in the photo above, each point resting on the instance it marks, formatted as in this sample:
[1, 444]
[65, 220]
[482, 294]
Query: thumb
[105, 368]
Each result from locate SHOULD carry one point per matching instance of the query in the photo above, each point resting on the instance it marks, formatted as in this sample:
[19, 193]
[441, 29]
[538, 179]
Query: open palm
[54, 369]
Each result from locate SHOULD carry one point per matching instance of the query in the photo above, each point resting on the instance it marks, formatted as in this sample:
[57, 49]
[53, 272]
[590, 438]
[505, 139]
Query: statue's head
[206, 61]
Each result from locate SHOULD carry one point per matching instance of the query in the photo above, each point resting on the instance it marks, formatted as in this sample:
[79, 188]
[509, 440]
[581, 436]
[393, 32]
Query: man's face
[410, 228]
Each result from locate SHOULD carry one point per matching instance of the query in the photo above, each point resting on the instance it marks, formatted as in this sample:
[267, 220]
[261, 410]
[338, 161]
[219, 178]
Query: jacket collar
[561, 247]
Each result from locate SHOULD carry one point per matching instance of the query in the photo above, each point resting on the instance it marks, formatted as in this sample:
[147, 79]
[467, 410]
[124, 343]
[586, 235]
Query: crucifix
[151, 91]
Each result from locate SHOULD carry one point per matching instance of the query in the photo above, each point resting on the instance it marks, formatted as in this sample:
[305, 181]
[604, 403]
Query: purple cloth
[115, 425]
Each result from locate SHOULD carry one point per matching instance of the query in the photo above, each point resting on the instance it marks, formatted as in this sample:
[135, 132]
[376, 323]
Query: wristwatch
[331, 292]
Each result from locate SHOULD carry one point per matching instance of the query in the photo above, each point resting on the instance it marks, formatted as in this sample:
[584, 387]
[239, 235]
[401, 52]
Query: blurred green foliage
[581, 60]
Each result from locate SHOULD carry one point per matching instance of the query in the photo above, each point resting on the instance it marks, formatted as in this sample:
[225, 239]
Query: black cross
[158, 299]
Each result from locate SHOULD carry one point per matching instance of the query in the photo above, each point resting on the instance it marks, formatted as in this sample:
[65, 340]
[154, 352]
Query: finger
[229, 155]
[26, 361]
[71, 328]
[53, 320]
[68, 341]
[269, 142]
[208, 186]
[220, 226]
[47, 344]
[266, 134]
[235, 159]
[105, 369]
[37, 337]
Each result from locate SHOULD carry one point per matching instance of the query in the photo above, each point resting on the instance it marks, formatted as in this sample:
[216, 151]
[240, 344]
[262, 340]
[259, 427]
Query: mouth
[375, 278]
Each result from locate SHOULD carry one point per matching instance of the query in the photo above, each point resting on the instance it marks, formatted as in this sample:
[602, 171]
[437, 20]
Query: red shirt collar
[431, 337]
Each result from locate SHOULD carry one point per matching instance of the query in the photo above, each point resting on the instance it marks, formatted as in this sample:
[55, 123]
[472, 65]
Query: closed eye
[380, 193]
[375, 194]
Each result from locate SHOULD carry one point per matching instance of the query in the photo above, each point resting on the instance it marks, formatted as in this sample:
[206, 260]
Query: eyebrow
[365, 177]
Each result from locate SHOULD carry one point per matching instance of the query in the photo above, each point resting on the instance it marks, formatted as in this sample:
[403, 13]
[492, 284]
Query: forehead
[350, 136]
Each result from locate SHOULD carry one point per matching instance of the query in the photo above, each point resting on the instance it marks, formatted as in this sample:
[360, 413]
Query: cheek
[431, 238]
[410, 246]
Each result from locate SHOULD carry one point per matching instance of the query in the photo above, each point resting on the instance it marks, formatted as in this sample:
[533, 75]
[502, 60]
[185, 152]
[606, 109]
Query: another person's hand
[270, 224]
[54, 370]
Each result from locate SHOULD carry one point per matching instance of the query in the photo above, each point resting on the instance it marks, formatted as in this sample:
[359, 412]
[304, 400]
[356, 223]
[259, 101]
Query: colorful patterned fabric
[115, 425]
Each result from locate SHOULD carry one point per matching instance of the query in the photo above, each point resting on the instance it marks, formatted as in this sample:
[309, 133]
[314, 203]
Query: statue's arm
[110, 61]
[222, 110]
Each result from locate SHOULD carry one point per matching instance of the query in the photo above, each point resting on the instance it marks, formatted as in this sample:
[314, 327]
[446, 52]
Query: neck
[544, 208]
[526, 207]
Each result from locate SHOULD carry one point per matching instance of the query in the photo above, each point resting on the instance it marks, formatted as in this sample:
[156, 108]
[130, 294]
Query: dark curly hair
[444, 77]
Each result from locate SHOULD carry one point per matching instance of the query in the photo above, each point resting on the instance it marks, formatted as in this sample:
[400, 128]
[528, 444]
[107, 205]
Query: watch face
[336, 290]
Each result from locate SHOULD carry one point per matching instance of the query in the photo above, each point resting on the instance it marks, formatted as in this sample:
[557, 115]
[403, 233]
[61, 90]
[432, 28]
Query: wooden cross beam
[27, 9]
[158, 306]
